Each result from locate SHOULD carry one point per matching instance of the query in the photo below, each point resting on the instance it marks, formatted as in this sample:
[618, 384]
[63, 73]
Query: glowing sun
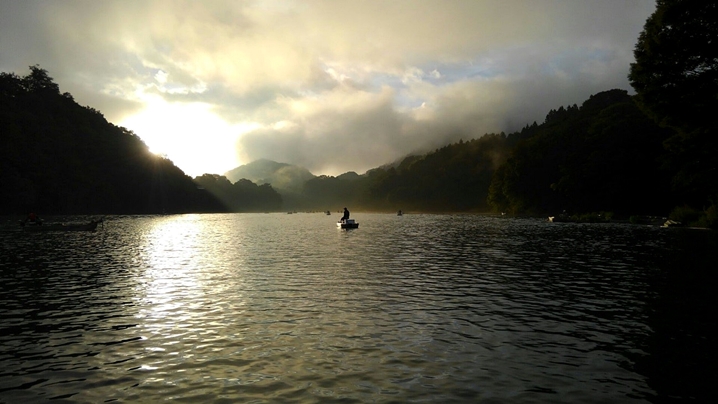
[190, 134]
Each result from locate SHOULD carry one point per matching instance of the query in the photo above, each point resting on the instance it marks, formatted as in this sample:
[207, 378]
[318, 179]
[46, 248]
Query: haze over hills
[542, 168]
[289, 178]
[614, 154]
[570, 161]
[285, 178]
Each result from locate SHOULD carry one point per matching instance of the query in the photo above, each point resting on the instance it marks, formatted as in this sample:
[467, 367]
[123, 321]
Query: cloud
[346, 128]
[381, 79]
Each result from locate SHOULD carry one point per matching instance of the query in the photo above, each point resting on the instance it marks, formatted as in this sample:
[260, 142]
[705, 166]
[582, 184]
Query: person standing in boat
[346, 215]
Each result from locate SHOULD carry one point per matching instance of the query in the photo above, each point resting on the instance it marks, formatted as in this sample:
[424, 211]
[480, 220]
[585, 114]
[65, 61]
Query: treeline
[605, 155]
[453, 178]
[652, 153]
[57, 157]
[602, 156]
[647, 154]
[242, 196]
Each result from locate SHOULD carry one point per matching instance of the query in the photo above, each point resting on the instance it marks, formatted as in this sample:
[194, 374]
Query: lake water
[419, 308]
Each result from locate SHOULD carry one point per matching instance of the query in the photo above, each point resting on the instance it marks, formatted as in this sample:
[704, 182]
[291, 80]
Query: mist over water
[288, 308]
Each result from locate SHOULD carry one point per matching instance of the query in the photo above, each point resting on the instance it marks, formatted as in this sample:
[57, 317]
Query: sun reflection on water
[172, 250]
[182, 284]
[283, 308]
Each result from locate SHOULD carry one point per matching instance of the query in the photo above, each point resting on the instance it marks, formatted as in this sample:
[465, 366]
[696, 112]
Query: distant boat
[91, 226]
[399, 213]
[328, 213]
[559, 218]
[348, 224]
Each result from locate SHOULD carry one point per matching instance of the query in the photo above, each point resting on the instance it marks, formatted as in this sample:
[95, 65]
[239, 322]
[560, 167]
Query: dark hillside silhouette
[604, 156]
[241, 196]
[58, 157]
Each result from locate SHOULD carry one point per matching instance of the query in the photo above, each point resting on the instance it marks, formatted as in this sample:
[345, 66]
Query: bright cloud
[333, 85]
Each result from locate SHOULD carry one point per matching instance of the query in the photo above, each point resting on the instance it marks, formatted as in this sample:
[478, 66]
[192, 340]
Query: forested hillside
[455, 177]
[606, 155]
[242, 195]
[283, 177]
[653, 153]
[603, 156]
[59, 157]
[647, 154]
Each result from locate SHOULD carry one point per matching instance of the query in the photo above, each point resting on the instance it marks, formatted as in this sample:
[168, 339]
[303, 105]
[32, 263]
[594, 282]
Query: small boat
[91, 226]
[561, 218]
[348, 224]
[672, 223]
[399, 213]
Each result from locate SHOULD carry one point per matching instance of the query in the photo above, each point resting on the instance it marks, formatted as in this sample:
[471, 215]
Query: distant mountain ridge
[281, 176]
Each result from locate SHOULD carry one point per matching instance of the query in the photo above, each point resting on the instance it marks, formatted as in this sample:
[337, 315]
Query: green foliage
[453, 178]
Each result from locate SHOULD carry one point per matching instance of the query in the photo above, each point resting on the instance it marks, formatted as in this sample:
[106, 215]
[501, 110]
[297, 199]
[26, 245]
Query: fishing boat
[40, 227]
[560, 219]
[348, 224]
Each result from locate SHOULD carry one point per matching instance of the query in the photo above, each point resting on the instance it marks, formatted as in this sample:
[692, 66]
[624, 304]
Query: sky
[330, 85]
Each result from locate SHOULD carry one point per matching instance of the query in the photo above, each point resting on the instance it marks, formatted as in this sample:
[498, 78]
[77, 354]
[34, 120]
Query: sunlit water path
[418, 308]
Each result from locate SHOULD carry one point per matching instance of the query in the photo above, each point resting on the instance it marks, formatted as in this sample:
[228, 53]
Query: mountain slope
[285, 178]
[58, 157]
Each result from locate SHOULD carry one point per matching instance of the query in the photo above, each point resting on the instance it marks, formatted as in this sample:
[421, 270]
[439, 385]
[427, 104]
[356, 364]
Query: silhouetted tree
[39, 81]
[675, 76]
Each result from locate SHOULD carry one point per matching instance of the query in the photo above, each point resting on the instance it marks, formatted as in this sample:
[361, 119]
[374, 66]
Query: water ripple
[287, 308]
